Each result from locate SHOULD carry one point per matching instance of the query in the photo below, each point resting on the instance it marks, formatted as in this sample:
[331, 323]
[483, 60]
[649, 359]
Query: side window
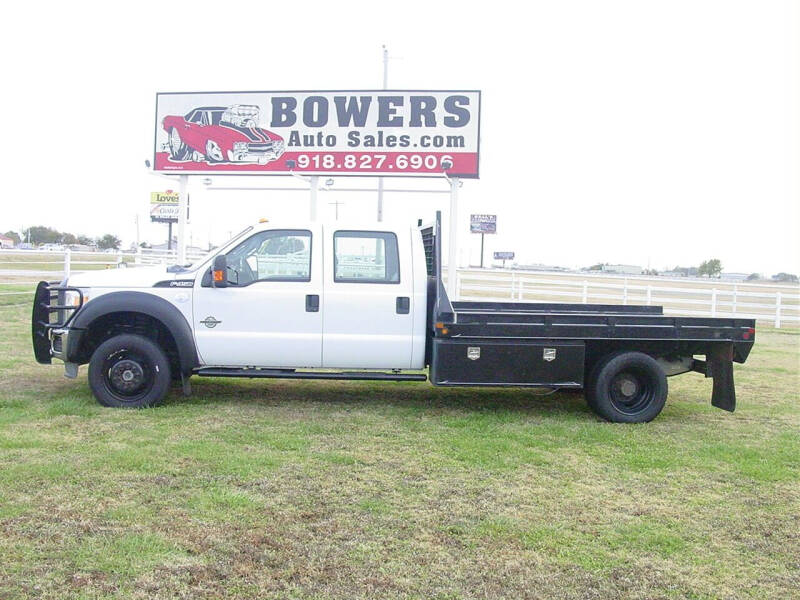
[277, 255]
[365, 257]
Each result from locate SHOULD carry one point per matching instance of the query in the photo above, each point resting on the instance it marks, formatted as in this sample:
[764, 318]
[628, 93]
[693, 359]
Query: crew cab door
[269, 315]
[369, 301]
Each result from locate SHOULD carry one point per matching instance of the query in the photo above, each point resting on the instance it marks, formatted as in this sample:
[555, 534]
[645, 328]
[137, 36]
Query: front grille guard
[46, 293]
[49, 299]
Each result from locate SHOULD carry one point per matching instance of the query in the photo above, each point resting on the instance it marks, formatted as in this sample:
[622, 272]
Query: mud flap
[186, 385]
[720, 362]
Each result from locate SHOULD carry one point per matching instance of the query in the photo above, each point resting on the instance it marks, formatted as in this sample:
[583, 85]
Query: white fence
[18, 268]
[82, 261]
[778, 304]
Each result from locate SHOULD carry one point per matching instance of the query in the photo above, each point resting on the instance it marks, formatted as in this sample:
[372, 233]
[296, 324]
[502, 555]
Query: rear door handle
[312, 303]
[403, 305]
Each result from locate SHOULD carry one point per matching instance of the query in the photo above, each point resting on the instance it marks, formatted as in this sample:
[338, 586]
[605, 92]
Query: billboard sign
[504, 256]
[363, 133]
[483, 223]
[164, 207]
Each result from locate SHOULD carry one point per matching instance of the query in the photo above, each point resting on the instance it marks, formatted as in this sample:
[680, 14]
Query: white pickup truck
[335, 301]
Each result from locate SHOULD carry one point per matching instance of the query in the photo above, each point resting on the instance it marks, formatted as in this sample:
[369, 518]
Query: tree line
[39, 234]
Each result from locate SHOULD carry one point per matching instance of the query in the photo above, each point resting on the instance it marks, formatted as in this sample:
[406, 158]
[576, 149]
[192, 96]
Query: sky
[648, 133]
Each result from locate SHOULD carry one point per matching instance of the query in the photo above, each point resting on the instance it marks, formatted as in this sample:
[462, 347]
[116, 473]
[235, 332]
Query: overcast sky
[649, 133]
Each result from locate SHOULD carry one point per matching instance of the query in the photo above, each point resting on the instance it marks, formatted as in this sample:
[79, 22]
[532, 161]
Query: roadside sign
[504, 256]
[414, 133]
[164, 207]
[483, 223]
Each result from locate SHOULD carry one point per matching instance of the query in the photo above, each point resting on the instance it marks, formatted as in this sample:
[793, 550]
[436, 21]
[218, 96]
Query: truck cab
[314, 296]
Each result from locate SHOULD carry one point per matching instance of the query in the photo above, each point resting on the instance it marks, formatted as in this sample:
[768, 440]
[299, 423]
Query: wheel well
[116, 323]
[660, 350]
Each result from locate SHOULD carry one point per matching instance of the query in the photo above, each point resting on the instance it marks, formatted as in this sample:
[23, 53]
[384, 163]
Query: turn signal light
[219, 276]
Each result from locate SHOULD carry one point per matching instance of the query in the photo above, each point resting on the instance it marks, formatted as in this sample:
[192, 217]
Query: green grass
[16, 294]
[359, 490]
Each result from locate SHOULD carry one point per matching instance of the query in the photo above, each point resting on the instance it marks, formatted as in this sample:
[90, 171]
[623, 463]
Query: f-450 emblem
[210, 322]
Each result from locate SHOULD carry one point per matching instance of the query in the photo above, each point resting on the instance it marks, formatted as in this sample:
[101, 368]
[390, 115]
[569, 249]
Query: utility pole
[385, 86]
[336, 208]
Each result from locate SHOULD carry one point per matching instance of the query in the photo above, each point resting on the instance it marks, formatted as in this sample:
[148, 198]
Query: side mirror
[219, 272]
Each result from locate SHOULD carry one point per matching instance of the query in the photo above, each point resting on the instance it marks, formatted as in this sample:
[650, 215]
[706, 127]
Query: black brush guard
[47, 303]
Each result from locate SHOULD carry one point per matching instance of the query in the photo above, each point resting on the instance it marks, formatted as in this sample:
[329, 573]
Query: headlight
[240, 146]
[73, 298]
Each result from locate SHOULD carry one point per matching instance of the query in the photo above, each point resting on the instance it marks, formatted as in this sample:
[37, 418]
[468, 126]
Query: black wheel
[129, 371]
[627, 387]
[177, 149]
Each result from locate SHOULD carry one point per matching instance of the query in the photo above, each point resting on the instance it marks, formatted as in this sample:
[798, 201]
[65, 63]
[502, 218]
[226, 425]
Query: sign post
[183, 184]
[483, 224]
[165, 208]
[452, 272]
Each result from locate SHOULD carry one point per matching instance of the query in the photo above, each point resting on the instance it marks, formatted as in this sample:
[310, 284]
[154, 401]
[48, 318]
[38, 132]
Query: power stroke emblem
[473, 352]
[549, 354]
[210, 322]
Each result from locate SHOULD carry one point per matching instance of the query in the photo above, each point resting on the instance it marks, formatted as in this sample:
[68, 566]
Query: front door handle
[403, 305]
[312, 303]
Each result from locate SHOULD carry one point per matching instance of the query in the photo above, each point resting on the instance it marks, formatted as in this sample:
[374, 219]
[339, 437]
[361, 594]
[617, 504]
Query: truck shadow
[415, 396]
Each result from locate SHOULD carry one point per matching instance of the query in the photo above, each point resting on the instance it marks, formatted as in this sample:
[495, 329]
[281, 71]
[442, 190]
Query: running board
[292, 374]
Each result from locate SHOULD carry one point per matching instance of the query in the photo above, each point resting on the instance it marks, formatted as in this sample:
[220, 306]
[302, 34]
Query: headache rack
[50, 312]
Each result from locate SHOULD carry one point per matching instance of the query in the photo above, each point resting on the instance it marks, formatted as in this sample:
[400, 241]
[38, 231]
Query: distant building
[622, 269]
[540, 267]
[734, 276]
[681, 272]
[6, 242]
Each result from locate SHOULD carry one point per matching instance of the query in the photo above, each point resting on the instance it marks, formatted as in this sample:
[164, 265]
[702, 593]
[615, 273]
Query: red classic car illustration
[221, 134]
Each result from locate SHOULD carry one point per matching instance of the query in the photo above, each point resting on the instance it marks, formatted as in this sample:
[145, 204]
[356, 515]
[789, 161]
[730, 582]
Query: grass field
[362, 490]
[16, 293]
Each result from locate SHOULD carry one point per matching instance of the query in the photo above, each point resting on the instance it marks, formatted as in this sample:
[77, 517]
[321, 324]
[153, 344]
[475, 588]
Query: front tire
[627, 387]
[213, 152]
[178, 150]
[129, 371]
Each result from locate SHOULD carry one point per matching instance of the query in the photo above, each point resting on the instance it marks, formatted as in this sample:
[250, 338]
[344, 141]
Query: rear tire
[129, 371]
[627, 387]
